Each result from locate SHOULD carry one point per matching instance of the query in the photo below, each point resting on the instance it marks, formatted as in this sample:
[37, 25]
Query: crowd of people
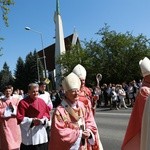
[115, 96]
[27, 121]
[24, 121]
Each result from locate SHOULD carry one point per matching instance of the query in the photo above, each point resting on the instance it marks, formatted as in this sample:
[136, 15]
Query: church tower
[59, 44]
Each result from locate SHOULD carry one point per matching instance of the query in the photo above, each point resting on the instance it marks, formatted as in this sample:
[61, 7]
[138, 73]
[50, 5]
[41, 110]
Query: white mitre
[145, 66]
[80, 71]
[71, 81]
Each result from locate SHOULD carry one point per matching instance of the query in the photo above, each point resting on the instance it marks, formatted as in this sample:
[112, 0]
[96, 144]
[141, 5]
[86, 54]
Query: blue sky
[87, 16]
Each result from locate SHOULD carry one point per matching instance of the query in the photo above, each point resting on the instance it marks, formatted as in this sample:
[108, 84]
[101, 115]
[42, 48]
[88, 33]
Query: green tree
[27, 71]
[6, 77]
[30, 67]
[115, 56]
[122, 53]
[20, 74]
[4, 5]
[74, 56]
[77, 55]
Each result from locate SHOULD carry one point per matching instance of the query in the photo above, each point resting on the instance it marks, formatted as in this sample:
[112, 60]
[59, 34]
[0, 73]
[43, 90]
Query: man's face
[8, 92]
[34, 92]
[82, 82]
[42, 87]
[72, 95]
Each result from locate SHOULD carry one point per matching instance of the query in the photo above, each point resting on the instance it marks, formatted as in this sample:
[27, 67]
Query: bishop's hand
[85, 134]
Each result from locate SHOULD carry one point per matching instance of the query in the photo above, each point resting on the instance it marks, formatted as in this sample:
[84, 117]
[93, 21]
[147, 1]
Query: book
[32, 112]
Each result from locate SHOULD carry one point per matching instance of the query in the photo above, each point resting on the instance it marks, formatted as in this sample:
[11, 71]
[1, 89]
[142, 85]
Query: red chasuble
[133, 132]
[65, 131]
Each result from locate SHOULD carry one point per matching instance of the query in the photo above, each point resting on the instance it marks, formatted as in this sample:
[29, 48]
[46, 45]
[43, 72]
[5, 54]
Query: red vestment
[32, 109]
[88, 106]
[10, 135]
[85, 96]
[133, 132]
[33, 134]
[65, 130]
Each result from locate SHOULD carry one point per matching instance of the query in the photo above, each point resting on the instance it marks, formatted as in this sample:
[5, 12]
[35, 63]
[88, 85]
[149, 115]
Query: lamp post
[38, 59]
[44, 57]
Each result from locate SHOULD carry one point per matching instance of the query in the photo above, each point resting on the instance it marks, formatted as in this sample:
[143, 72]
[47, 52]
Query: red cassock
[133, 132]
[32, 109]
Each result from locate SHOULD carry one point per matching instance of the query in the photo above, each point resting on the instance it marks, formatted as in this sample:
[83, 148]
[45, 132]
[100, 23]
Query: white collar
[6, 98]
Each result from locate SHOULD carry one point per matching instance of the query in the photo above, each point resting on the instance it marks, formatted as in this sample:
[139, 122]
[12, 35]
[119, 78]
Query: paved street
[112, 126]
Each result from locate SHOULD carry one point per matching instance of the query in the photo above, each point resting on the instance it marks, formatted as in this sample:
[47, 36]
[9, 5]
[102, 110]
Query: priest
[85, 93]
[85, 96]
[33, 117]
[137, 135]
[72, 127]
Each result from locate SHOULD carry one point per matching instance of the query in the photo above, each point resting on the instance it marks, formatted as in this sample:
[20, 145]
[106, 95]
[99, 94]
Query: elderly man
[33, 116]
[138, 130]
[85, 96]
[72, 128]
